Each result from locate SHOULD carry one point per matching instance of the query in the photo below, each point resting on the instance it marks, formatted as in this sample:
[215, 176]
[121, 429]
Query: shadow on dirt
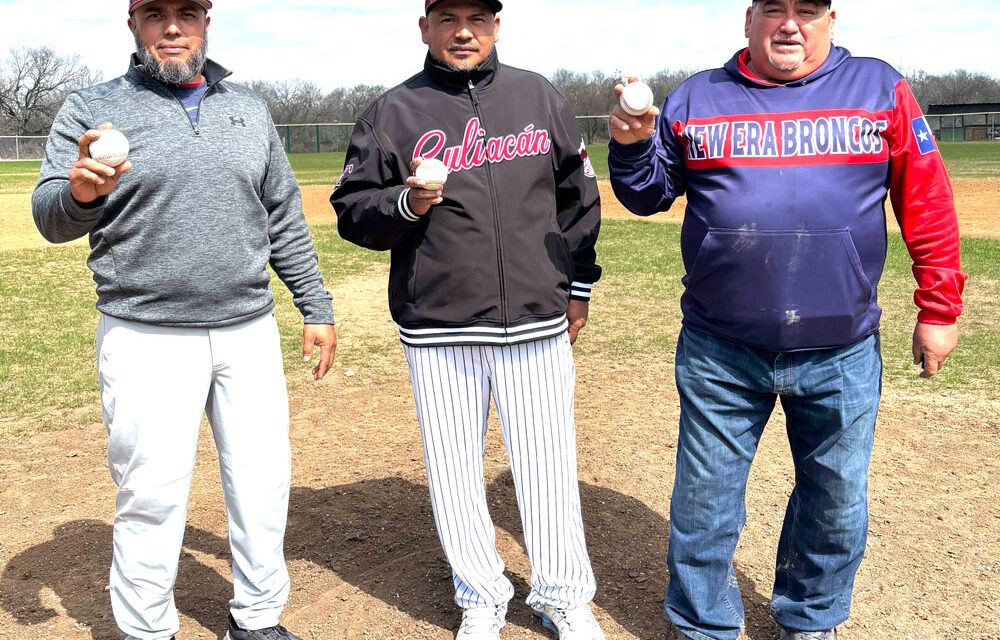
[379, 536]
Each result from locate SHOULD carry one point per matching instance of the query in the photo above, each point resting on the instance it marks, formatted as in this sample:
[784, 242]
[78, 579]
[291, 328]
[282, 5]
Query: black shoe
[277, 632]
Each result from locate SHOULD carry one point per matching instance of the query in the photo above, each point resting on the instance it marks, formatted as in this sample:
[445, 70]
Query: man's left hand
[932, 343]
[324, 337]
[576, 313]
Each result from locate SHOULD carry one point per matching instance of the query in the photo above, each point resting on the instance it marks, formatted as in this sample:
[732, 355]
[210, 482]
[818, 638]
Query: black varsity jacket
[496, 262]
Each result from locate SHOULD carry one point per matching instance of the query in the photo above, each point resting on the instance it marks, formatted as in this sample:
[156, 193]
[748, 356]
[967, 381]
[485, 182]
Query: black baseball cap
[494, 5]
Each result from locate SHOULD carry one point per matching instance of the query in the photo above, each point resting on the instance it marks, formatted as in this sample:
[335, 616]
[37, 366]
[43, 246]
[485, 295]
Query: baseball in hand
[111, 148]
[636, 99]
[433, 173]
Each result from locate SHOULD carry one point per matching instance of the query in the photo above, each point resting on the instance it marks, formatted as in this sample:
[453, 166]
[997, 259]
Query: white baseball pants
[532, 386]
[156, 382]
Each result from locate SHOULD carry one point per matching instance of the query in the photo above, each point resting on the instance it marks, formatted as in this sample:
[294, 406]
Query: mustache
[173, 72]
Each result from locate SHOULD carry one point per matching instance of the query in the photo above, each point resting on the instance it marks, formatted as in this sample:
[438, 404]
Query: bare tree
[590, 94]
[358, 98]
[957, 87]
[291, 101]
[297, 102]
[664, 81]
[33, 84]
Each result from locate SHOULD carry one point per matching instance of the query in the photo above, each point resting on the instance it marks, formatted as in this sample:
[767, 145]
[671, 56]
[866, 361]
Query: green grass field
[20, 176]
[971, 159]
[48, 375]
[317, 168]
[964, 160]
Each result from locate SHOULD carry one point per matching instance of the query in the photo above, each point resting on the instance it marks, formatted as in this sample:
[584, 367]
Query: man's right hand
[628, 129]
[89, 179]
[420, 197]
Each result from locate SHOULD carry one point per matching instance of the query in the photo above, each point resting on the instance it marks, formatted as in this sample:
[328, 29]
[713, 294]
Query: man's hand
[88, 178]
[576, 313]
[628, 129]
[932, 343]
[421, 198]
[323, 336]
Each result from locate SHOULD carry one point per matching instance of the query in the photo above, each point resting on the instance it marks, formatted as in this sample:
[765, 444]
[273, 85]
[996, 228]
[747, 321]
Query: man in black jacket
[489, 284]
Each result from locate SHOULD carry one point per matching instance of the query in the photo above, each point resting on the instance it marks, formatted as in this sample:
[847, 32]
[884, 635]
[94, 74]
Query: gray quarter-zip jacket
[186, 236]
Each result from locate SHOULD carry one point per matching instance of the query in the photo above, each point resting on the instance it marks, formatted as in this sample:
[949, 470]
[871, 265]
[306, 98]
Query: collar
[743, 62]
[482, 75]
[739, 67]
[213, 71]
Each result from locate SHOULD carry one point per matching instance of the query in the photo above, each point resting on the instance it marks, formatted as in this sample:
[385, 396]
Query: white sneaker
[577, 623]
[482, 623]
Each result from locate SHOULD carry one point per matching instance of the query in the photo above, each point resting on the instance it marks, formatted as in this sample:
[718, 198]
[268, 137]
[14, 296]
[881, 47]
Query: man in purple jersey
[785, 156]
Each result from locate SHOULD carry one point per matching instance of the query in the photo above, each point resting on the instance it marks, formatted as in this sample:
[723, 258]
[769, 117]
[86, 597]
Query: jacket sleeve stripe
[404, 206]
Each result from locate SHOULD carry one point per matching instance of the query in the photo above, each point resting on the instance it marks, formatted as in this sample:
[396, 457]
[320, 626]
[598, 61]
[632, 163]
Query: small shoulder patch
[348, 170]
[923, 136]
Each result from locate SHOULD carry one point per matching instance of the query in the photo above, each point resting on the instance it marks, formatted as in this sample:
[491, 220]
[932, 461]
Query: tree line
[35, 81]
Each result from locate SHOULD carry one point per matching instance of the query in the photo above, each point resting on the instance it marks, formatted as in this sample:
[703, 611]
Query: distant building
[975, 121]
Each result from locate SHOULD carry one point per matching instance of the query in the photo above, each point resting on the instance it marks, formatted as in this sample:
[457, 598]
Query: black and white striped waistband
[483, 335]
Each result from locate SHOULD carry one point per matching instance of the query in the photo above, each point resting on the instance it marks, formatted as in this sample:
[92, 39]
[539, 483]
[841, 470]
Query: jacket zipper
[197, 118]
[496, 210]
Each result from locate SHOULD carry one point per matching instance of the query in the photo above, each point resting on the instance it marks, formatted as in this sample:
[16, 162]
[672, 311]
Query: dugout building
[975, 121]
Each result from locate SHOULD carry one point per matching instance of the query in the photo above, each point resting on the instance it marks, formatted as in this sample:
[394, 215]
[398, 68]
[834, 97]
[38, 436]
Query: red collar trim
[743, 61]
[191, 85]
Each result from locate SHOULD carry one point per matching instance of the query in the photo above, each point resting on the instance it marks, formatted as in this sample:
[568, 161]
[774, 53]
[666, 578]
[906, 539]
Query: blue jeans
[727, 393]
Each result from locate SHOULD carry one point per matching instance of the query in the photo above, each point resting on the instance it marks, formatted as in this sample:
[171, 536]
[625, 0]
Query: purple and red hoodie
[784, 237]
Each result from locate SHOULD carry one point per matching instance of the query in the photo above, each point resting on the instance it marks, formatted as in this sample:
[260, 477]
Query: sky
[335, 43]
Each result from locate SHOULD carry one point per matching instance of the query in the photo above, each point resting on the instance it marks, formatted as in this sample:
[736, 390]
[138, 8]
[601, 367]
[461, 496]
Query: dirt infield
[361, 547]
[977, 202]
[362, 552]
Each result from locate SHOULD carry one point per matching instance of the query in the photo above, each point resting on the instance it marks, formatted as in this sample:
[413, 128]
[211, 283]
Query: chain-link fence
[22, 147]
[329, 137]
[595, 129]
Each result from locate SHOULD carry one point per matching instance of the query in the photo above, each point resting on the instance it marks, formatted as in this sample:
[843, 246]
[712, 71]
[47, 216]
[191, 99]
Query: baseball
[111, 148]
[636, 99]
[433, 173]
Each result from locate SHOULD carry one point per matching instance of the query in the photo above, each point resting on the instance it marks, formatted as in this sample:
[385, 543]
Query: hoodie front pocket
[782, 289]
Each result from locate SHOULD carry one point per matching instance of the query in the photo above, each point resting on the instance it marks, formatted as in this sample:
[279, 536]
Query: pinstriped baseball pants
[532, 388]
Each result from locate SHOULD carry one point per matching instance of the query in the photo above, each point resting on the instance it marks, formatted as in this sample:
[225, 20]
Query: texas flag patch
[923, 135]
[588, 166]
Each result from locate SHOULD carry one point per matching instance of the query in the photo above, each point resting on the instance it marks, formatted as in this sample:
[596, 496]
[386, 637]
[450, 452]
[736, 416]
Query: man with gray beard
[181, 235]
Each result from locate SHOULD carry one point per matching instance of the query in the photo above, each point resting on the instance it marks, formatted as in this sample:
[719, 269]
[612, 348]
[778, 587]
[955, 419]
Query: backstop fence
[330, 137]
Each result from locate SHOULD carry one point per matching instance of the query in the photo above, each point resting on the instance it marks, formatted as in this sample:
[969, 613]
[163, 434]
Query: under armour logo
[237, 121]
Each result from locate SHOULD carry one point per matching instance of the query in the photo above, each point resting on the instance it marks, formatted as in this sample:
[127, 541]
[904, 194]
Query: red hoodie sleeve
[925, 210]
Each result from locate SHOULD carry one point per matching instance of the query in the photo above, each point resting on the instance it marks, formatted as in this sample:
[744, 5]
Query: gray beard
[467, 68]
[171, 71]
[784, 67]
